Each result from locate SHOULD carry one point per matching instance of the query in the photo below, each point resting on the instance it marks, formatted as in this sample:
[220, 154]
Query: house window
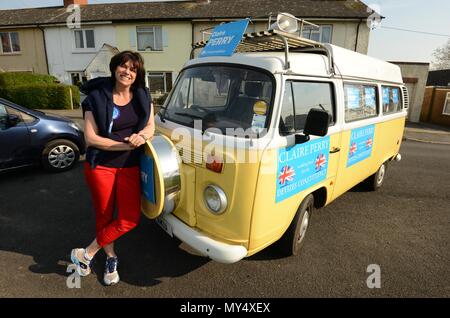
[149, 38]
[322, 34]
[159, 82]
[84, 39]
[78, 78]
[9, 42]
[447, 105]
[360, 101]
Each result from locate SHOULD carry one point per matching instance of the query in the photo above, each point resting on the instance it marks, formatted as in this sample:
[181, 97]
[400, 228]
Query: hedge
[40, 96]
[38, 91]
[8, 79]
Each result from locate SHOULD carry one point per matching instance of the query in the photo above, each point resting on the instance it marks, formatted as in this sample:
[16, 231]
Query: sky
[428, 16]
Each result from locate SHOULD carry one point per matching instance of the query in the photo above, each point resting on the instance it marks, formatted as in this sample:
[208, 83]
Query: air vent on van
[405, 97]
[190, 156]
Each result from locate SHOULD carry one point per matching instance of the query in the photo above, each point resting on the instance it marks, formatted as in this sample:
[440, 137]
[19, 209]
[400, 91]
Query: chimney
[79, 2]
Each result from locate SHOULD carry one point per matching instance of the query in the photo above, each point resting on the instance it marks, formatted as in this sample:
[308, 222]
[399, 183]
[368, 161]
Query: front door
[14, 139]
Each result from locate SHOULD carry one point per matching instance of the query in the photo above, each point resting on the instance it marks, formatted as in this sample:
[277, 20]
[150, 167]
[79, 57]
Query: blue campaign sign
[353, 97]
[361, 144]
[301, 166]
[147, 178]
[225, 38]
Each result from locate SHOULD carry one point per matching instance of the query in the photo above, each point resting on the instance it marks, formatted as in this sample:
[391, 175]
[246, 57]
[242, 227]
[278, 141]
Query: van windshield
[223, 97]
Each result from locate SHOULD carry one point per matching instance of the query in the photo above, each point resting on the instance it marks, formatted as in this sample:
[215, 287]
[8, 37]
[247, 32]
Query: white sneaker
[111, 275]
[83, 265]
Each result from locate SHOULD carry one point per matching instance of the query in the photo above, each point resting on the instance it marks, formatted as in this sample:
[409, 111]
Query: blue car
[30, 137]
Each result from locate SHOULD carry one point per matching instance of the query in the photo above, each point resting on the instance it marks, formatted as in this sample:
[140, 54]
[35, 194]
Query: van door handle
[335, 150]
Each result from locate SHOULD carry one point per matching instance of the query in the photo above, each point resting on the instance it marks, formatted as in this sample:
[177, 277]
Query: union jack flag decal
[287, 175]
[369, 143]
[353, 149]
[321, 161]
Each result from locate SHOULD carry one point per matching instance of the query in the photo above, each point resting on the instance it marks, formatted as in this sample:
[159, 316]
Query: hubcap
[381, 174]
[61, 156]
[303, 227]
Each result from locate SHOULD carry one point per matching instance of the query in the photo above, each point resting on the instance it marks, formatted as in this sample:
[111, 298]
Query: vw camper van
[248, 146]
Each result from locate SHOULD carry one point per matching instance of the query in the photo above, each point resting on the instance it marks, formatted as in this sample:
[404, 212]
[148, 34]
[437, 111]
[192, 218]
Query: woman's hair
[137, 61]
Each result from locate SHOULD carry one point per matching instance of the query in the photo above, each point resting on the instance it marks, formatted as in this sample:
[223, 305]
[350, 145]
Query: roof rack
[276, 40]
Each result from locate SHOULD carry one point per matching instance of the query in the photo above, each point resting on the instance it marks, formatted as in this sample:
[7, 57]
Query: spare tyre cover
[160, 177]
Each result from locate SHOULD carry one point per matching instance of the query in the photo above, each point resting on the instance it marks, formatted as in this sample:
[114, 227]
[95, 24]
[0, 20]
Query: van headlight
[215, 199]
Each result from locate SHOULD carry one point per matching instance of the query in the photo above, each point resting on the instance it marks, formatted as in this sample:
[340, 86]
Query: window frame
[84, 48]
[377, 101]
[2, 52]
[139, 29]
[163, 74]
[446, 104]
[400, 99]
[333, 91]
[312, 30]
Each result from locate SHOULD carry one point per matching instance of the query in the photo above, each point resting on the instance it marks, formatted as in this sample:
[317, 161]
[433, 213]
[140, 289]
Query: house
[163, 32]
[436, 104]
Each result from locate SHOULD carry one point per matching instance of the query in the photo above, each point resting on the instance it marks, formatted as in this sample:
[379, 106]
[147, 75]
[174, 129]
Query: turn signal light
[214, 164]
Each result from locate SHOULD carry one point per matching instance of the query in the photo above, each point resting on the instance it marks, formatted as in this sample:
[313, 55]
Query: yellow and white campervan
[249, 145]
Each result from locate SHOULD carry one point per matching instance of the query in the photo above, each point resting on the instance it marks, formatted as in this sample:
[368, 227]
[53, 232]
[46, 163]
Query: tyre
[375, 181]
[292, 241]
[60, 155]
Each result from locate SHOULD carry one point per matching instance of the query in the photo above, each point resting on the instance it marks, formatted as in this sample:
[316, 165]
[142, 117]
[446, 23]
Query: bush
[38, 91]
[9, 79]
[75, 96]
[40, 96]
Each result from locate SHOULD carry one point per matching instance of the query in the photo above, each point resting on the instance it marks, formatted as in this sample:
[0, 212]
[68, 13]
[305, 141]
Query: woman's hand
[135, 140]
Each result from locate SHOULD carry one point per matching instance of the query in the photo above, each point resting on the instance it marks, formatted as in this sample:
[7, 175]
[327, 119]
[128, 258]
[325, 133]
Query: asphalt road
[404, 228]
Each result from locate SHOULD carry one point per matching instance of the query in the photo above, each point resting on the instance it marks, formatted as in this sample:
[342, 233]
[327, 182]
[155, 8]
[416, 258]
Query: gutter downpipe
[192, 41]
[357, 34]
[45, 48]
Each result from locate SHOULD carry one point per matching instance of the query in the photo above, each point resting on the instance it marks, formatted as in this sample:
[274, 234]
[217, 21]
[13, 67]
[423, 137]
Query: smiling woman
[118, 121]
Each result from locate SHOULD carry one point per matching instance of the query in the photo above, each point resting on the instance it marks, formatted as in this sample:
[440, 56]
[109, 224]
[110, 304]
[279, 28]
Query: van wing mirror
[317, 123]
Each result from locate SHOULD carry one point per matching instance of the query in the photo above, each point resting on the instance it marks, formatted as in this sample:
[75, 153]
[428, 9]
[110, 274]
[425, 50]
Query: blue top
[100, 102]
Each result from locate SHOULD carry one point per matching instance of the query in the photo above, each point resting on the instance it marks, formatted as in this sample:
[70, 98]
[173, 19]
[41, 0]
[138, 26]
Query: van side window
[392, 102]
[286, 126]
[309, 95]
[360, 101]
[299, 98]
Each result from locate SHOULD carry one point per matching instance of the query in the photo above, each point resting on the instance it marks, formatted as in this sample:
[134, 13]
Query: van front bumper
[217, 251]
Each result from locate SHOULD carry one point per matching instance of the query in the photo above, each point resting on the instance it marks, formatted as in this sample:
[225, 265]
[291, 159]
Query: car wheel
[60, 155]
[292, 241]
[375, 181]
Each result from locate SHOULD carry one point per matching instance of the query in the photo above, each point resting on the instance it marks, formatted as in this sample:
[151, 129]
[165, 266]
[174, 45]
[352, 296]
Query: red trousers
[109, 186]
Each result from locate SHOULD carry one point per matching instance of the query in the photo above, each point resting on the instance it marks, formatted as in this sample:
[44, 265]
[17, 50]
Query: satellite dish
[285, 22]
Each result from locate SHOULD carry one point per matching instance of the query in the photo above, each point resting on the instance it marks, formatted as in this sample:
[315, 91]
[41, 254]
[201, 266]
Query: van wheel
[375, 181]
[60, 155]
[292, 241]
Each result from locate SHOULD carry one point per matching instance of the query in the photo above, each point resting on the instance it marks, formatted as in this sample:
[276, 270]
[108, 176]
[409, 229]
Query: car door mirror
[13, 120]
[316, 124]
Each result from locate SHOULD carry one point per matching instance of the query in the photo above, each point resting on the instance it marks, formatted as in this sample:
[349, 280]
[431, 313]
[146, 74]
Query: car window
[13, 111]
[3, 117]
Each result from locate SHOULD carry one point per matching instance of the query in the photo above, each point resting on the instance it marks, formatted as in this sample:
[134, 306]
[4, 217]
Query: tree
[441, 57]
